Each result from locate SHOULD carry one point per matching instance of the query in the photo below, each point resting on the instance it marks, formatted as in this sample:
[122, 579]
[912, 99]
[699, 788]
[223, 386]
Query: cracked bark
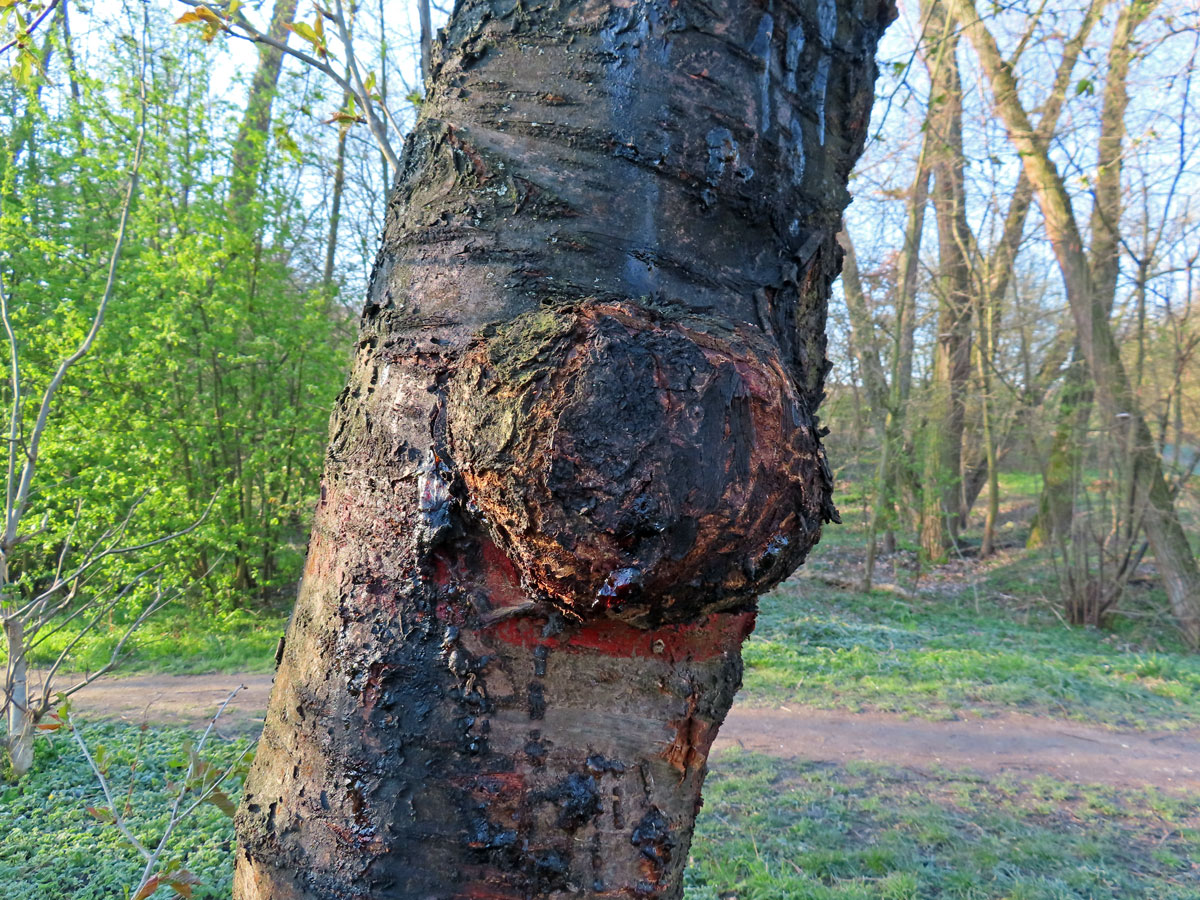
[578, 439]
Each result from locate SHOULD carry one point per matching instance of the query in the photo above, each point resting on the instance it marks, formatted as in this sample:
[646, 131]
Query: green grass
[808, 831]
[982, 638]
[769, 830]
[842, 650]
[53, 849]
[178, 642]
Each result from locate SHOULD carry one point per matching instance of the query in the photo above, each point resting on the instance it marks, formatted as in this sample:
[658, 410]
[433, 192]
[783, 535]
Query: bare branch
[33, 27]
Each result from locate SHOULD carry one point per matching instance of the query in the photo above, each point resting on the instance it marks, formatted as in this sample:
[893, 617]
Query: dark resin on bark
[578, 438]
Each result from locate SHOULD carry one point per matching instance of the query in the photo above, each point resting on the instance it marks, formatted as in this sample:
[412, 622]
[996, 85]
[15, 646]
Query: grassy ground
[977, 635]
[769, 830]
[841, 650]
[796, 831]
[983, 637]
[178, 642]
[54, 849]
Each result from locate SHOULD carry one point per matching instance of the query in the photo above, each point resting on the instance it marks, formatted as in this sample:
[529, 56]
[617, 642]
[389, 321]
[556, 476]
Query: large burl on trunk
[579, 438]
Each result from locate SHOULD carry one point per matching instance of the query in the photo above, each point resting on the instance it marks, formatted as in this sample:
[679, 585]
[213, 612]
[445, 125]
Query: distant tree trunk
[335, 211]
[579, 438]
[1064, 464]
[335, 203]
[992, 282]
[942, 441]
[987, 319]
[426, 38]
[19, 727]
[862, 332]
[892, 471]
[255, 128]
[1061, 474]
[1085, 286]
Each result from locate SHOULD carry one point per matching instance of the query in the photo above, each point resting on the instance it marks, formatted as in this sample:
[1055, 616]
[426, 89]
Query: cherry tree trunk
[579, 438]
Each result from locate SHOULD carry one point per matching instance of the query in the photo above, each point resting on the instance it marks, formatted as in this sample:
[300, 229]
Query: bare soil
[1007, 743]
[1003, 744]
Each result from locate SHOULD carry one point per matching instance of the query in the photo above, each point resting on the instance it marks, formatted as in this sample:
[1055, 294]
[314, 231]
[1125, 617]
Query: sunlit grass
[177, 641]
[838, 649]
[816, 831]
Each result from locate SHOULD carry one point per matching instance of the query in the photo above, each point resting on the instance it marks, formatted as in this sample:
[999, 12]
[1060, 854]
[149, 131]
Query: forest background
[970, 430]
[262, 197]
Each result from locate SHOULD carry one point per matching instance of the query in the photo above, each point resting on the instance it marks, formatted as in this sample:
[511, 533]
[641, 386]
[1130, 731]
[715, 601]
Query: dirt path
[1023, 746]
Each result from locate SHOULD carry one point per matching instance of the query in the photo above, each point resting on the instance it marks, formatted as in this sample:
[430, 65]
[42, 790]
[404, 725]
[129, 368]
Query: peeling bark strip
[579, 438]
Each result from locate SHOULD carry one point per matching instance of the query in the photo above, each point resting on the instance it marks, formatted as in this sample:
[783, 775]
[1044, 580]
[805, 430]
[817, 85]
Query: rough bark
[579, 437]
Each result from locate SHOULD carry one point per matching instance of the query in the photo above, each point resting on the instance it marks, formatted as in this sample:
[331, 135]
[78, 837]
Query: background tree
[1088, 286]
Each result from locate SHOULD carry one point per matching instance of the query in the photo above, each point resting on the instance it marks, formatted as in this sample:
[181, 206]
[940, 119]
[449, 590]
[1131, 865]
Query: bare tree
[1087, 282]
[349, 72]
[201, 783]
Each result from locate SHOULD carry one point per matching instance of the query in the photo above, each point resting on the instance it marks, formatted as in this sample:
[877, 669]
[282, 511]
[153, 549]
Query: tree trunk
[255, 127]
[579, 438]
[942, 482]
[862, 334]
[1064, 464]
[426, 38]
[893, 470]
[335, 205]
[19, 739]
[998, 272]
[1172, 551]
[987, 320]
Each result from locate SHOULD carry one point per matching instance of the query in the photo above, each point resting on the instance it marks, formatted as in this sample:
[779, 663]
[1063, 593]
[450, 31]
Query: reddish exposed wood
[643, 462]
[718, 633]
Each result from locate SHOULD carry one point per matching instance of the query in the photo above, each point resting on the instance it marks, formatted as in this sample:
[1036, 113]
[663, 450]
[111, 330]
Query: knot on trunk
[638, 463]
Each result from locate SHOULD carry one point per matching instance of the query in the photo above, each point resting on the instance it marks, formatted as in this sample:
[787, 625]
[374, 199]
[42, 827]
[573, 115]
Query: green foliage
[54, 847]
[216, 368]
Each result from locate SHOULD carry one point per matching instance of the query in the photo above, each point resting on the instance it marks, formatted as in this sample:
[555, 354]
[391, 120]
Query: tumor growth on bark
[578, 439]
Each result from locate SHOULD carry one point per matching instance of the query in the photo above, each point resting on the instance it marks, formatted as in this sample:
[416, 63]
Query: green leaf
[285, 142]
[102, 814]
[306, 31]
[221, 801]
